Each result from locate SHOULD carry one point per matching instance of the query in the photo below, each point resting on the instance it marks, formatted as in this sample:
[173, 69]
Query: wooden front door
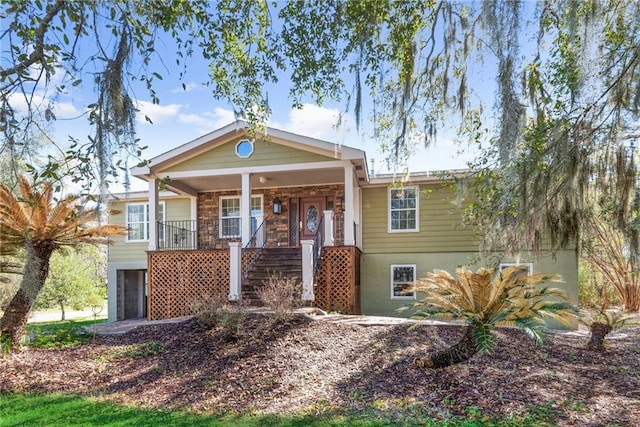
[311, 211]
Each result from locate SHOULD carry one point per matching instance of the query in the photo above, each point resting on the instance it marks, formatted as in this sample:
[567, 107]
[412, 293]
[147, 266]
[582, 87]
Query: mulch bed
[307, 366]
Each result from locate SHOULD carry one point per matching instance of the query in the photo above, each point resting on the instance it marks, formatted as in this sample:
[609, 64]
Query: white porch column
[245, 209]
[153, 214]
[328, 228]
[235, 273]
[349, 207]
[307, 270]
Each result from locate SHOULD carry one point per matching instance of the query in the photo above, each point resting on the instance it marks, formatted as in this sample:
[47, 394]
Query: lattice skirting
[338, 280]
[178, 280]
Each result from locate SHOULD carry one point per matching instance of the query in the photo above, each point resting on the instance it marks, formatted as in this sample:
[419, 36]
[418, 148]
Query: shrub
[601, 323]
[219, 312]
[282, 295]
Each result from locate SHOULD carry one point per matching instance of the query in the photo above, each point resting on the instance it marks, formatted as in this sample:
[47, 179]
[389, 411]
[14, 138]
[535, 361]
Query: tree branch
[38, 50]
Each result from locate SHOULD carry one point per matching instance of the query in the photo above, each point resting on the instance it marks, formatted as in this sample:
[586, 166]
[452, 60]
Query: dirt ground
[308, 365]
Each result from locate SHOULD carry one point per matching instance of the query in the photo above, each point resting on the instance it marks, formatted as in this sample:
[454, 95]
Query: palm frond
[509, 298]
[483, 338]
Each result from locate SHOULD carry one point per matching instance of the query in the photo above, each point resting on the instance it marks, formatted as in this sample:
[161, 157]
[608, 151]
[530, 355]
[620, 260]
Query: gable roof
[240, 128]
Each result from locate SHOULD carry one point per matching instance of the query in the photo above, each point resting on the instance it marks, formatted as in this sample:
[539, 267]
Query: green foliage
[63, 410]
[567, 87]
[282, 295]
[484, 300]
[60, 336]
[592, 291]
[76, 279]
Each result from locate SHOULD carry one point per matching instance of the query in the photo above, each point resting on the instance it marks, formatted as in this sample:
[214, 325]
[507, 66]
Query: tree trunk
[462, 351]
[63, 317]
[598, 332]
[14, 319]
[36, 269]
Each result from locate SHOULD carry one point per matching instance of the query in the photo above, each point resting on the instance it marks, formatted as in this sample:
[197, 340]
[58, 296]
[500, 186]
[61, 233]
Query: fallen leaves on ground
[313, 366]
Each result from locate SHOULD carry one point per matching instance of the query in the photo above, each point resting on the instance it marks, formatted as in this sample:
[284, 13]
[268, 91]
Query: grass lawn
[65, 333]
[66, 410]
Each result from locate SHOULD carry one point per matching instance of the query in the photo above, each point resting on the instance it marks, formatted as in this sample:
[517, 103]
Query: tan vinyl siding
[122, 251]
[440, 224]
[264, 154]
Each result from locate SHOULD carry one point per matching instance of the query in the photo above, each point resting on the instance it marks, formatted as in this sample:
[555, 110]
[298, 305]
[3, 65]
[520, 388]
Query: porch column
[153, 214]
[235, 273]
[307, 270]
[349, 207]
[328, 228]
[245, 209]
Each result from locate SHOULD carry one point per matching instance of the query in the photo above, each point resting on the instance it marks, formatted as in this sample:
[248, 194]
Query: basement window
[403, 279]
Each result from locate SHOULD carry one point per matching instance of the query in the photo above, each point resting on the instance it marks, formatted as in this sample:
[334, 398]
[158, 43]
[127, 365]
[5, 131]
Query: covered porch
[247, 196]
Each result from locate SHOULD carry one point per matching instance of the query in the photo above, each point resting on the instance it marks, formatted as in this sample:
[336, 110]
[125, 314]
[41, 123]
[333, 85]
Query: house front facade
[234, 205]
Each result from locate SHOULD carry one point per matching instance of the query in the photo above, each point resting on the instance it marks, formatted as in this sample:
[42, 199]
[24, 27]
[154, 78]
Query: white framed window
[403, 279]
[403, 209]
[505, 265]
[137, 221]
[230, 215]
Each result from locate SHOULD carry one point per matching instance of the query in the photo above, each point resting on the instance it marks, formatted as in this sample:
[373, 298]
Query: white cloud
[157, 113]
[208, 121]
[317, 122]
[65, 110]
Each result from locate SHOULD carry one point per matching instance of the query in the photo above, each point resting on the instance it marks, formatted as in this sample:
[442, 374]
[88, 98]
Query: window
[505, 265]
[244, 148]
[230, 215]
[403, 209]
[403, 279]
[137, 221]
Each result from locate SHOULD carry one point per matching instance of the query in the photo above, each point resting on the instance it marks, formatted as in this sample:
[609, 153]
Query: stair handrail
[251, 244]
[317, 246]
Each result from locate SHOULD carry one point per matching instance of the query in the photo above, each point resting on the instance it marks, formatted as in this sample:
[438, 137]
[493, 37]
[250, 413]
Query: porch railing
[188, 235]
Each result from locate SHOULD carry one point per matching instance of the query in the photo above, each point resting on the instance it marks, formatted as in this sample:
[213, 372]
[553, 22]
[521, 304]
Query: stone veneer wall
[277, 225]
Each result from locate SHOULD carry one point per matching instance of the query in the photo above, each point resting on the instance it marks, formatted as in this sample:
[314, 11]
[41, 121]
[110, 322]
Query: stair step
[286, 262]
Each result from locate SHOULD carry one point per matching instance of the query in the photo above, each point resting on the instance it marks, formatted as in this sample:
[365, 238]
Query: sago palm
[484, 300]
[39, 223]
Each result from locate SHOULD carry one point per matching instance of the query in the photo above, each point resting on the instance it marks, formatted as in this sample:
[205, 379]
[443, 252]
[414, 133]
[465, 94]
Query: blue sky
[186, 114]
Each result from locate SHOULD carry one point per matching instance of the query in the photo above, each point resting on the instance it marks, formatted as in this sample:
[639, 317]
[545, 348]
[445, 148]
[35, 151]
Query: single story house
[224, 211]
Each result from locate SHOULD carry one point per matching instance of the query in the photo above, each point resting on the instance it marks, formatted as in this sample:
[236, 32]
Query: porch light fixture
[277, 206]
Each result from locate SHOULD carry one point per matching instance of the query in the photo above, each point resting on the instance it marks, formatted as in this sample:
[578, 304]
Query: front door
[311, 211]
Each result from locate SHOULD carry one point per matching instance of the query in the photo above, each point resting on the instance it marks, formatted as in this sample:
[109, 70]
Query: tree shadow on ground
[561, 381]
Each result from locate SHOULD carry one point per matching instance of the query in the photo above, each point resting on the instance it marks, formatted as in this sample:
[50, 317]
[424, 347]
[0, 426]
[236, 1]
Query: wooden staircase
[286, 262]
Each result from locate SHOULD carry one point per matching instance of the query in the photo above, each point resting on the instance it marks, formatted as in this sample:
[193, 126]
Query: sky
[186, 113]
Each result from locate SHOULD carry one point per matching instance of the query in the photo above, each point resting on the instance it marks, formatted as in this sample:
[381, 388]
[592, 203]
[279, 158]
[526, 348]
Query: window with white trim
[403, 209]
[505, 265]
[230, 215]
[403, 279]
[137, 221]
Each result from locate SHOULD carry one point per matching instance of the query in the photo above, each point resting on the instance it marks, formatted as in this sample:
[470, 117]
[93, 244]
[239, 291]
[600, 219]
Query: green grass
[67, 333]
[66, 410]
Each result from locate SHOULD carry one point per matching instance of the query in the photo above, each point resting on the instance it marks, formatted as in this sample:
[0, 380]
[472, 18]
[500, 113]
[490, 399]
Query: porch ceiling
[271, 180]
